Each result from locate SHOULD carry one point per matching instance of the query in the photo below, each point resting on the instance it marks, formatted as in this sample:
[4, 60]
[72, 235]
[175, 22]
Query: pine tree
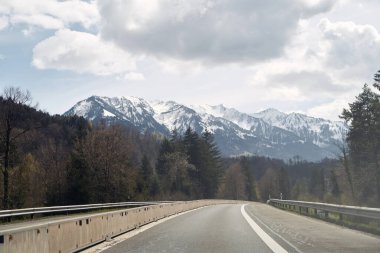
[377, 80]
[364, 142]
[212, 168]
[165, 148]
[193, 151]
[79, 178]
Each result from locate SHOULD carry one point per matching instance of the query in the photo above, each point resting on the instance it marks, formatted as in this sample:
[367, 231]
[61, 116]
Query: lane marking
[272, 244]
[277, 234]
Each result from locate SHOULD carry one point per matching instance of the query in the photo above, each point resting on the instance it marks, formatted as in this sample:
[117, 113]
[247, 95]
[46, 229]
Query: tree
[283, 183]
[377, 80]
[335, 191]
[107, 152]
[251, 182]
[165, 148]
[145, 176]
[194, 154]
[79, 177]
[364, 142]
[24, 179]
[211, 172]
[345, 161]
[268, 185]
[235, 182]
[14, 120]
[317, 183]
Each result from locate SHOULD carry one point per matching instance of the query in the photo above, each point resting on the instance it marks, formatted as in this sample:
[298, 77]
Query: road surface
[222, 228]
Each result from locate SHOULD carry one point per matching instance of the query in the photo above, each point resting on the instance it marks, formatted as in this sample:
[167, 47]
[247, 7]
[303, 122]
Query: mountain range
[269, 133]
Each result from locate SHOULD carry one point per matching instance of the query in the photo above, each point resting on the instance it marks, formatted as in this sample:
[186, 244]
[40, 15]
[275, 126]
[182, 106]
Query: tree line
[56, 160]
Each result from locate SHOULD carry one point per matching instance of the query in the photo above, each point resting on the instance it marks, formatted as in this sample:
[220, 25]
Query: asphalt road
[219, 228]
[223, 228]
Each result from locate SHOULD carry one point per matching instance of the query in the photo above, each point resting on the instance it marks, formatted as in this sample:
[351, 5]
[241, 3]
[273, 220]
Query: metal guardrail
[72, 208]
[366, 212]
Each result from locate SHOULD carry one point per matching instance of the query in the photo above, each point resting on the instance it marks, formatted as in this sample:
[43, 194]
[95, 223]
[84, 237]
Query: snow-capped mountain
[316, 130]
[269, 133]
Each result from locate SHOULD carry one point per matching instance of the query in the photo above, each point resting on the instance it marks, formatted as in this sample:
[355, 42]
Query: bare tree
[13, 126]
[235, 183]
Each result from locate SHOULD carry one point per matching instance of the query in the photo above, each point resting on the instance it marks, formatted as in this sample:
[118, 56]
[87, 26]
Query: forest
[50, 160]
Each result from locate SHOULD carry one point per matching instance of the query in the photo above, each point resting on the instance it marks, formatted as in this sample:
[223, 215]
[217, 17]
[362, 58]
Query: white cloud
[83, 53]
[207, 31]
[353, 51]
[3, 22]
[40, 20]
[134, 76]
[51, 14]
[329, 110]
[323, 68]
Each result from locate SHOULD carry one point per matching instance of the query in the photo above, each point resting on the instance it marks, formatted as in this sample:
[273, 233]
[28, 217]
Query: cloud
[134, 76]
[353, 51]
[40, 20]
[50, 14]
[3, 22]
[83, 53]
[310, 82]
[323, 67]
[207, 31]
[330, 110]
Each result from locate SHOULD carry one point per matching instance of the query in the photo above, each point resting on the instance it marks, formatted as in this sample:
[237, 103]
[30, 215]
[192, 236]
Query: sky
[308, 56]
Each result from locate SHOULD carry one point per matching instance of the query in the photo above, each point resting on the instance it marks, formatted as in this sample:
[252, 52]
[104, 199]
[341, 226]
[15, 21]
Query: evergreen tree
[364, 142]
[166, 147]
[194, 154]
[212, 165]
[377, 80]
[79, 178]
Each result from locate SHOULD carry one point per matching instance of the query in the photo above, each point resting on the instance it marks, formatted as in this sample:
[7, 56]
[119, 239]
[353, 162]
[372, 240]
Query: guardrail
[71, 234]
[366, 212]
[72, 208]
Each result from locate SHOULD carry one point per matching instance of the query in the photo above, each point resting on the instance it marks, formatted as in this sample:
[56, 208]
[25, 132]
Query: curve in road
[250, 228]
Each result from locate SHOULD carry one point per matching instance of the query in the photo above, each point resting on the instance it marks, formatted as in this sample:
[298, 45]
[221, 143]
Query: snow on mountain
[319, 131]
[130, 111]
[269, 133]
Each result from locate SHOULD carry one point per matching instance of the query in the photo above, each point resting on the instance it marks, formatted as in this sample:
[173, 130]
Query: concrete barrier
[73, 234]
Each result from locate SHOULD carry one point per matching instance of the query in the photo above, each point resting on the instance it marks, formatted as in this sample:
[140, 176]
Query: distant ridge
[269, 133]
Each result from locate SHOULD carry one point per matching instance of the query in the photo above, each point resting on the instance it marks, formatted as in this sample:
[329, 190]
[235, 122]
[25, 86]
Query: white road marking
[282, 238]
[272, 244]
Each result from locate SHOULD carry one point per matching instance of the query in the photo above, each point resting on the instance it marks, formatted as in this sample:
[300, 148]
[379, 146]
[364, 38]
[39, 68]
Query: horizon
[311, 62]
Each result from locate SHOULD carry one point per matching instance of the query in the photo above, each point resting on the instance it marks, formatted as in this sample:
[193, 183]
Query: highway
[223, 228]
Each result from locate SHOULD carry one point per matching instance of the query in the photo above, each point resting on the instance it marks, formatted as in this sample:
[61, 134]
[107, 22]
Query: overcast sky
[309, 56]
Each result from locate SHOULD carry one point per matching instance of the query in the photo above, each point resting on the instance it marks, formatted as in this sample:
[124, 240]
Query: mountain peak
[269, 132]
